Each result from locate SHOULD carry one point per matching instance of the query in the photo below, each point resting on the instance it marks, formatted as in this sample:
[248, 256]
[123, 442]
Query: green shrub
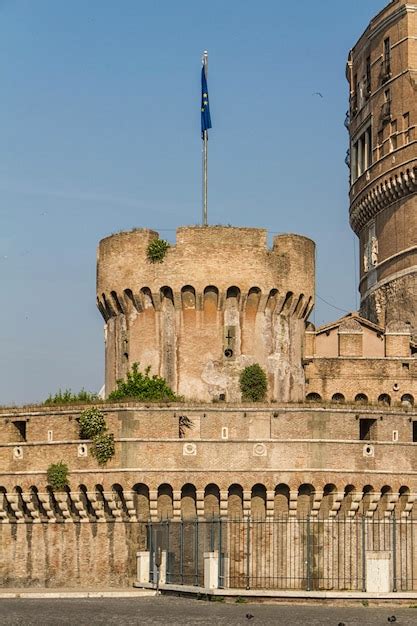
[92, 423]
[142, 386]
[57, 474]
[253, 383]
[68, 397]
[103, 447]
[157, 250]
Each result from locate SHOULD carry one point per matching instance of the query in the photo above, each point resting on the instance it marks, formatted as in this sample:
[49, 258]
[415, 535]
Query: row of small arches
[210, 299]
[384, 399]
[137, 502]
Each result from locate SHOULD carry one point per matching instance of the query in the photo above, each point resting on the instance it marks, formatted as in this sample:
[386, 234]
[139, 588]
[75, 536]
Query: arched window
[384, 399]
[339, 398]
[361, 398]
[313, 397]
[407, 399]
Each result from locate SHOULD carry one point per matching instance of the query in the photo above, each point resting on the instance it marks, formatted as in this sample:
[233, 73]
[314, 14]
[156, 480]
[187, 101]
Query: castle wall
[69, 555]
[219, 300]
[394, 377]
[270, 461]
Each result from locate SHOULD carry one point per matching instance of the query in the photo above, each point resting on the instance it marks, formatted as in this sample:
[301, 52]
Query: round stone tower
[382, 74]
[219, 300]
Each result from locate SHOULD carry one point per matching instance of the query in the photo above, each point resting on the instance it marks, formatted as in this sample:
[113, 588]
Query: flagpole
[205, 152]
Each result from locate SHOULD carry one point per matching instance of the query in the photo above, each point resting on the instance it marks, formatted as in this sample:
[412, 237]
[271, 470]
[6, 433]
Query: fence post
[150, 548]
[308, 554]
[363, 525]
[196, 552]
[182, 551]
[248, 552]
[394, 551]
[168, 563]
[220, 556]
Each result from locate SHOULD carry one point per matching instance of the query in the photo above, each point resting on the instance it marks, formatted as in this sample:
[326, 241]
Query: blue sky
[99, 121]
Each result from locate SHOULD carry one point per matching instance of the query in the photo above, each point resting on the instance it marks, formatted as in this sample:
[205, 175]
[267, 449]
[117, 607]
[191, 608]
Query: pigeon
[392, 619]
[249, 616]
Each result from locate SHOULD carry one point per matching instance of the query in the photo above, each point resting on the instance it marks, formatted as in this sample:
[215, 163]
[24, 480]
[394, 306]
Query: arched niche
[235, 501]
[305, 500]
[281, 500]
[165, 501]
[188, 502]
[141, 501]
[258, 501]
[188, 298]
[211, 501]
[147, 299]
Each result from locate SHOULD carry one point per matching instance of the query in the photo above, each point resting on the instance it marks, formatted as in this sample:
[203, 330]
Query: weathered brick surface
[383, 197]
[218, 288]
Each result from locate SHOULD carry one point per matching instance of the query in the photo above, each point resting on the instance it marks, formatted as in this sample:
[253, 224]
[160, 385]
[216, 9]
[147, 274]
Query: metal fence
[285, 553]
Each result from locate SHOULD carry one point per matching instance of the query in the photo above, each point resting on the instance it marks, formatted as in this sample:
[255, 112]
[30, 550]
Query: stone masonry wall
[220, 300]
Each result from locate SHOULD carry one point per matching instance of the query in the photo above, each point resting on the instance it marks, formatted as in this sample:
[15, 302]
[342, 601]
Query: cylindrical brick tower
[382, 74]
[219, 300]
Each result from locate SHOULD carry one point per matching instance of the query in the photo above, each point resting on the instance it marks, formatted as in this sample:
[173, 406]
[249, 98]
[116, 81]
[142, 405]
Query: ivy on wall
[93, 426]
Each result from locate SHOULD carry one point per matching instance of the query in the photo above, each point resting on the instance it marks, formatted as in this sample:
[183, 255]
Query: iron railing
[310, 553]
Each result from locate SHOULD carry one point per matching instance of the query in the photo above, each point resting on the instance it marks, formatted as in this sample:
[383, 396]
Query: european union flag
[205, 107]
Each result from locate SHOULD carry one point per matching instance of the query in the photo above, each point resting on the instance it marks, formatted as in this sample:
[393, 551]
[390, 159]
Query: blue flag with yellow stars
[205, 107]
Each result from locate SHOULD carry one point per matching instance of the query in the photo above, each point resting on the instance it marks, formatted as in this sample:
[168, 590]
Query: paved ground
[189, 612]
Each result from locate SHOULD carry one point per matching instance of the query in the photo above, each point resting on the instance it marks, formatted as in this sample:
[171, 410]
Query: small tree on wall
[141, 386]
[157, 250]
[253, 383]
[57, 474]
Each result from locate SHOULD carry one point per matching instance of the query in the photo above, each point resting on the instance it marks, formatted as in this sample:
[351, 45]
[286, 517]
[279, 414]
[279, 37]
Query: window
[354, 96]
[386, 62]
[415, 432]
[361, 398]
[384, 399]
[393, 138]
[407, 400]
[367, 429]
[406, 127]
[361, 154]
[368, 78]
[380, 144]
[313, 397]
[21, 429]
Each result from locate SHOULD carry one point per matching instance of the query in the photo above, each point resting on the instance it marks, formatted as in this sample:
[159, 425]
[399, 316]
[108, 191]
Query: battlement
[218, 256]
[236, 260]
